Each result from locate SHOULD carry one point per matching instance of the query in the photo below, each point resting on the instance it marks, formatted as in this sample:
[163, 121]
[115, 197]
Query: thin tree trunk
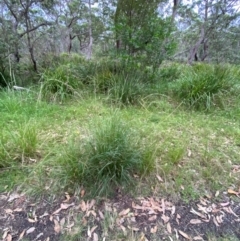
[193, 51]
[195, 48]
[89, 53]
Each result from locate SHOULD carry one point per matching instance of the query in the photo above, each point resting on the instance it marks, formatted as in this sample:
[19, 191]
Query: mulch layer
[150, 218]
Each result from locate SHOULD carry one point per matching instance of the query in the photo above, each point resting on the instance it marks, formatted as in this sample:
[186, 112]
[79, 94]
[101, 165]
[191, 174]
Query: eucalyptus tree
[26, 17]
[141, 30]
[204, 21]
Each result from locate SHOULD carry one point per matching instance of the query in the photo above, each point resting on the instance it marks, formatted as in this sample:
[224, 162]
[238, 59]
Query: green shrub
[199, 85]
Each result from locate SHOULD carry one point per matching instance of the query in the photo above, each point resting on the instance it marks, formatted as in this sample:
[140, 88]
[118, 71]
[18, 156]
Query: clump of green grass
[5, 158]
[200, 86]
[18, 145]
[108, 158]
[127, 89]
[112, 155]
[59, 83]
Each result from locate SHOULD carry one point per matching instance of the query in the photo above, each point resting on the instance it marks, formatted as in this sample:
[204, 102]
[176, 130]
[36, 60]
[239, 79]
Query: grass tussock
[203, 86]
[108, 158]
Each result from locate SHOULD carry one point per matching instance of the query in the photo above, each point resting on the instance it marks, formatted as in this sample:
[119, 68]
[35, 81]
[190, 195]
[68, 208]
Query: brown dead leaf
[57, 211]
[95, 237]
[219, 219]
[93, 229]
[30, 220]
[17, 210]
[159, 178]
[203, 201]
[197, 213]
[83, 206]
[91, 204]
[154, 229]
[229, 210]
[57, 227]
[152, 218]
[21, 235]
[89, 232]
[66, 206]
[230, 191]
[9, 237]
[173, 210]
[215, 222]
[14, 196]
[151, 212]
[82, 193]
[195, 221]
[169, 228]
[165, 218]
[124, 212]
[100, 214]
[30, 230]
[198, 238]
[184, 235]
[5, 234]
[225, 204]
[8, 211]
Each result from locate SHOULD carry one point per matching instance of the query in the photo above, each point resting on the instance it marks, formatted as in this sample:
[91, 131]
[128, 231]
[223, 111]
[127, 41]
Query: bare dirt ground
[152, 218]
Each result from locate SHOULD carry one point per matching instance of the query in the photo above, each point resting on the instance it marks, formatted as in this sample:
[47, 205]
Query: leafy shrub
[199, 85]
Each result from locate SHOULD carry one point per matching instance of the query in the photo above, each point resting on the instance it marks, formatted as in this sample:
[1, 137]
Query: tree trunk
[89, 53]
[193, 51]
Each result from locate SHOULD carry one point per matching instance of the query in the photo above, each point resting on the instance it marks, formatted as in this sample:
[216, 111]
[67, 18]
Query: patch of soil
[35, 220]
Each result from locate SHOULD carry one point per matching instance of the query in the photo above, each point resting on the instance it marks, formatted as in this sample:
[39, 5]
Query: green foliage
[19, 145]
[127, 89]
[199, 85]
[59, 83]
[112, 155]
[5, 158]
[25, 140]
[169, 72]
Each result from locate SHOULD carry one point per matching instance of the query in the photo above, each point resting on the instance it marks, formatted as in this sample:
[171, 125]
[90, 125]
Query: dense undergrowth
[109, 124]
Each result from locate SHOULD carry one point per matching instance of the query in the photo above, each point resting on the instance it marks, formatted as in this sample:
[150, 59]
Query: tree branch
[34, 28]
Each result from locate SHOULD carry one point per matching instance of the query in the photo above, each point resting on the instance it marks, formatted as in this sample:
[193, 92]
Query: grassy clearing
[193, 152]
[114, 131]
